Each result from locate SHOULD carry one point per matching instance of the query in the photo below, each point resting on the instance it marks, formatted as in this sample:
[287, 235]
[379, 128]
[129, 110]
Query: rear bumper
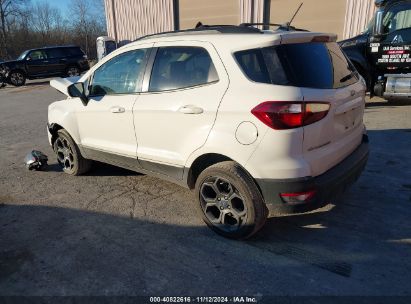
[328, 186]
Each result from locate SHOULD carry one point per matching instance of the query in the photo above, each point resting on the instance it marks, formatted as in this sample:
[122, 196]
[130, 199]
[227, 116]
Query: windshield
[309, 65]
[23, 55]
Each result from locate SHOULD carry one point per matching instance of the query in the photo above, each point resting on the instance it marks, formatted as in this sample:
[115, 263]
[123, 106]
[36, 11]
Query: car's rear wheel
[17, 78]
[73, 71]
[229, 200]
[69, 156]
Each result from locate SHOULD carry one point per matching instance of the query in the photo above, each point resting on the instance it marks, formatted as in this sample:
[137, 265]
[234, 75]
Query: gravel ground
[116, 232]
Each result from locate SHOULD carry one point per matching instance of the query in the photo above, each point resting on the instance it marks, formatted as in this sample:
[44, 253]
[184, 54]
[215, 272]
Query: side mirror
[77, 90]
[378, 29]
[28, 58]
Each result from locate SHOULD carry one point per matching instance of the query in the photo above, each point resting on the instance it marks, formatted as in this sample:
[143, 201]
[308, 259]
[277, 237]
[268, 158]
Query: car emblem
[352, 93]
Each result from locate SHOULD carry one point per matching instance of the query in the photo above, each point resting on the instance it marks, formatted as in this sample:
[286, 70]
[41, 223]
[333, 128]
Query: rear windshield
[311, 65]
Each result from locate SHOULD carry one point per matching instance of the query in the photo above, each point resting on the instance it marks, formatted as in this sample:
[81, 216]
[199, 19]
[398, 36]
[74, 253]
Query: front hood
[353, 41]
[61, 84]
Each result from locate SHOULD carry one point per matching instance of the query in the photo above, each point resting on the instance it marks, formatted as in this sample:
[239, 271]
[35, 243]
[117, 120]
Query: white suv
[255, 122]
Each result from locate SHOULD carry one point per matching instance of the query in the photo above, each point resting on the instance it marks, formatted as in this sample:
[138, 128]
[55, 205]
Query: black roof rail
[57, 46]
[281, 27]
[222, 29]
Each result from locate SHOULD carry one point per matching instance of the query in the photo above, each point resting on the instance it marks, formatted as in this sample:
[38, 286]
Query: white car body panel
[173, 135]
[61, 84]
[106, 124]
[152, 129]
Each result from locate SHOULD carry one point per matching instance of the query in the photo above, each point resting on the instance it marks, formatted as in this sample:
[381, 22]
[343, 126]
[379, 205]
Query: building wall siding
[251, 11]
[129, 19]
[315, 15]
[208, 12]
[358, 14]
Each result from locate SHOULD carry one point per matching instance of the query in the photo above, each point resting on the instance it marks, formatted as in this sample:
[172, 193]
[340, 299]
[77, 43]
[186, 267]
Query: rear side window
[181, 67]
[312, 65]
[74, 51]
[55, 53]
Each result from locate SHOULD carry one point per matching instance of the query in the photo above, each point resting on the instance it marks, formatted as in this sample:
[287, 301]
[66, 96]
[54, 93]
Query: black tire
[69, 156]
[226, 188]
[72, 71]
[17, 78]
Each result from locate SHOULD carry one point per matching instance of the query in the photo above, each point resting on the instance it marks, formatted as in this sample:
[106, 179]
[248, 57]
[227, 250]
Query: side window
[253, 65]
[397, 18]
[74, 51]
[121, 75]
[55, 53]
[181, 67]
[37, 55]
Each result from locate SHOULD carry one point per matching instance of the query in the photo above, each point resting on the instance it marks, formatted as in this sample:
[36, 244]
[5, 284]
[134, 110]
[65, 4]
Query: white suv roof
[244, 37]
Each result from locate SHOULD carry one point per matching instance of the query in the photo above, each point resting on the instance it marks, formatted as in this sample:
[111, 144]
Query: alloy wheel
[222, 204]
[64, 153]
[17, 78]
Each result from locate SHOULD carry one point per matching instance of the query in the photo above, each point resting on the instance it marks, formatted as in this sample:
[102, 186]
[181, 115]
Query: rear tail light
[298, 197]
[290, 115]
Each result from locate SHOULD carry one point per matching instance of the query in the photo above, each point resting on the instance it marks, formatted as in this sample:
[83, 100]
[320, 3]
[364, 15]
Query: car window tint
[252, 62]
[312, 65]
[121, 75]
[74, 51]
[55, 53]
[181, 67]
[37, 55]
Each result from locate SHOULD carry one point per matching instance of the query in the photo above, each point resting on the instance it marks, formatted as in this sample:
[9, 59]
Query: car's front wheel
[229, 201]
[68, 154]
[17, 78]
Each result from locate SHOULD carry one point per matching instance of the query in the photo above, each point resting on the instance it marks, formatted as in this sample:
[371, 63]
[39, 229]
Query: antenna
[295, 14]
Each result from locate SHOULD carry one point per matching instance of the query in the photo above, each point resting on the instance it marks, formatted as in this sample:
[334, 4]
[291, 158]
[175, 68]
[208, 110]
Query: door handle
[117, 109]
[190, 109]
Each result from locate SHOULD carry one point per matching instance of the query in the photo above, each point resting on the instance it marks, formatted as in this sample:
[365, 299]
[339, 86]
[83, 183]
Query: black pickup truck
[382, 53]
[45, 62]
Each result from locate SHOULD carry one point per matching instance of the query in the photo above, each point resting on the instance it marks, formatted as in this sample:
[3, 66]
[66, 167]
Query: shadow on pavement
[360, 246]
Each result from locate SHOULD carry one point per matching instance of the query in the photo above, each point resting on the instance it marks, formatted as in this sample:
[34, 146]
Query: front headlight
[3, 69]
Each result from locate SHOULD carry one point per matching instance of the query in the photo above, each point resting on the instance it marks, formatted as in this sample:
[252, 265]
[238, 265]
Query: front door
[106, 123]
[393, 53]
[57, 61]
[37, 63]
[175, 115]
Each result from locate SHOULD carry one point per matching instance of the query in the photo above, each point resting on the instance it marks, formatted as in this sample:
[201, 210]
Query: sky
[64, 5]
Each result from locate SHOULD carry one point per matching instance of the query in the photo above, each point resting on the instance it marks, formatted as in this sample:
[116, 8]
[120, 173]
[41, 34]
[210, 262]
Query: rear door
[176, 113]
[57, 61]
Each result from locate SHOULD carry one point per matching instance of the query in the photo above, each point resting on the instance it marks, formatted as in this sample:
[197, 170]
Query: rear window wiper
[348, 77]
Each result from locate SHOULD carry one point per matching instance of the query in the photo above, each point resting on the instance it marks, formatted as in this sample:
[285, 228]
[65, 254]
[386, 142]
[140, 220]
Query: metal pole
[176, 15]
[266, 14]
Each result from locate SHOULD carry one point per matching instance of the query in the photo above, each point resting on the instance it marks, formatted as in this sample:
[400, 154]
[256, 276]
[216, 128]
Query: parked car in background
[45, 62]
[252, 121]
